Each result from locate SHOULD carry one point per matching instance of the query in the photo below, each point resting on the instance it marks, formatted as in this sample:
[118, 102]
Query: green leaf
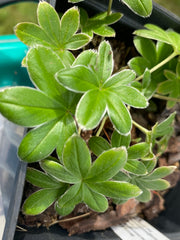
[98, 145]
[39, 201]
[95, 201]
[118, 140]
[91, 109]
[67, 202]
[104, 65]
[67, 129]
[77, 41]
[75, 1]
[29, 107]
[170, 87]
[40, 142]
[42, 180]
[113, 189]
[138, 150]
[121, 176]
[150, 164]
[163, 128]
[58, 172]
[42, 65]
[78, 79]
[146, 79]
[69, 24]
[105, 31]
[118, 113]
[157, 33]
[159, 184]
[139, 64]
[32, 35]
[146, 48]
[98, 24]
[145, 195]
[131, 96]
[49, 21]
[135, 167]
[86, 58]
[160, 172]
[107, 165]
[140, 7]
[120, 79]
[76, 156]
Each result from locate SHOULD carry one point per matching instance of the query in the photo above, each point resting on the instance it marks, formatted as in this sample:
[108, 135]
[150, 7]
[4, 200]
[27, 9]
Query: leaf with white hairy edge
[115, 189]
[91, 109]
[76, 156]
[140, 7]
[57, 171]
[38, 202]
[94, 200]
[108, 164]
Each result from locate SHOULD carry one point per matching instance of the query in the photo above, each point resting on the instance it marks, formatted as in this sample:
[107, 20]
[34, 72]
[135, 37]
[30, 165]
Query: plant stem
[142, 129]
[109, 7]
[166, 98]
[166, 60]
[79, 131]
[101, 126]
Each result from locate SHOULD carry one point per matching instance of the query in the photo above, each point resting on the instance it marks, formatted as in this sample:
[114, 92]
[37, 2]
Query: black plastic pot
[168, 221]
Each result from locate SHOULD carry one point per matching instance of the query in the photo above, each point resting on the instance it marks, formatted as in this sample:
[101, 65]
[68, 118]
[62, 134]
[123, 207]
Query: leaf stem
[166, 98]
[109, 7]
[142, 129]
[166, 60]
[101, 126]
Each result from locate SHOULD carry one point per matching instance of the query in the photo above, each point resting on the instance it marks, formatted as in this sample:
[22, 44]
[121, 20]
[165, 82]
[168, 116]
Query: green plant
[75, 94]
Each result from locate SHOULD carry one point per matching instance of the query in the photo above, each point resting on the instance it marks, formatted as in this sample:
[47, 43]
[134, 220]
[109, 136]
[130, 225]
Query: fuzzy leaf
[131, 96]
[157, 33]
[135, 167]
[67, 202]
[75, 1]
[159, 184]
[86, 58]
[42, 72]
[120, 79]
[49, 21]
[42, 180]
[118, 140]
[113, 189]
[163, 128]
[145, 195]
[171, 86]
[43, 140]
[76, 157]
[39, 201]
[98, 145]
[67, 29]
[140, 7]
[160, 172]
[91, 109]
[94, 200]
[77, 79]
[58, 172]
[67, 129]
[138, 151]
[104, 65]
[107, 165]
[29, 107]
[118, 113]
[121, 176]
[77, 41]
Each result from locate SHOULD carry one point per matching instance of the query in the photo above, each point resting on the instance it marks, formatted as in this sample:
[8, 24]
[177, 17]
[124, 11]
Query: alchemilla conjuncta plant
[75, 94]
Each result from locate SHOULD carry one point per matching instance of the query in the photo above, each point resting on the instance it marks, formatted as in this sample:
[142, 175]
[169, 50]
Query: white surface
[2, 216]
[138, 229]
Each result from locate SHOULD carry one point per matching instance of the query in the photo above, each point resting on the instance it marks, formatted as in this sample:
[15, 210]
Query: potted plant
[77, 96]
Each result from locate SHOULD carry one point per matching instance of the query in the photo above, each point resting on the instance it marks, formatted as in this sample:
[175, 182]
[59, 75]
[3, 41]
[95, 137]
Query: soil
[82, 219]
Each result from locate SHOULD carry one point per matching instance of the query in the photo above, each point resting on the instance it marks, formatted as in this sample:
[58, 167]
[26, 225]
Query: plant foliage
[77, 92]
